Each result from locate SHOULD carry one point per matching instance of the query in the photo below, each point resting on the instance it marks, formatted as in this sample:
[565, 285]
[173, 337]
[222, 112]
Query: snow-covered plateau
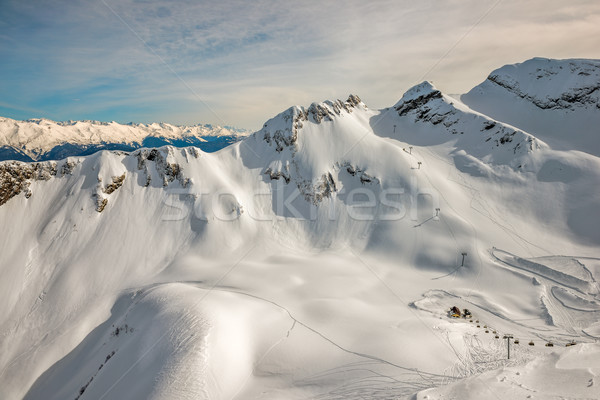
[319, 256]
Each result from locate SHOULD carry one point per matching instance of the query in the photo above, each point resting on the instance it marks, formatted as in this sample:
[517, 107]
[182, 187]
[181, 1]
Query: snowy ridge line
[425, 376]
[428, 105]
[558, 101]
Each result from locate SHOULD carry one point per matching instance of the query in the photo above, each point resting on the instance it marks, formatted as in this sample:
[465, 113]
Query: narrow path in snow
[363, 355]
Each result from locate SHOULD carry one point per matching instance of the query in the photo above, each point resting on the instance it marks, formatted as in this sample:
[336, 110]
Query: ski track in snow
[412, 378]
[375, 385]
[556, 307]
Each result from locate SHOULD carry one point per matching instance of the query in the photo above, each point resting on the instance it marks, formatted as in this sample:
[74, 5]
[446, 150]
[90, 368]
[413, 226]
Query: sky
[239, 63]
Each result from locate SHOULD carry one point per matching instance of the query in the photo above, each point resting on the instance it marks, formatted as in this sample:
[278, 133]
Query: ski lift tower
[463, 260]
[508, 337]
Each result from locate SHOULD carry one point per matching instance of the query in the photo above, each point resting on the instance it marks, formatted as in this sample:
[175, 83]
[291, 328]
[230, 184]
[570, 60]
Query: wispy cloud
[249, 60]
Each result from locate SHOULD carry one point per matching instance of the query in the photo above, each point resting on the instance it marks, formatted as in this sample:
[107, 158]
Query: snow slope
[316, 258]
[558, 101]
[43, 139]
[565, 373]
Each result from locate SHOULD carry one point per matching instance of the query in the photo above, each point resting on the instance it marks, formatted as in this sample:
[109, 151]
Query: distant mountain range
[43, 139]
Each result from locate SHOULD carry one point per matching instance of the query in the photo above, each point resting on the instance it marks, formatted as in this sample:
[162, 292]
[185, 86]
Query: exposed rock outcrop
[16, 177]
[117, 182]
[167, 170]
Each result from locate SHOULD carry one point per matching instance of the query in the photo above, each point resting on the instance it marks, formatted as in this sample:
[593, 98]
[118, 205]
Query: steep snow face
[315, 258]
[556, 100]
[42, 139]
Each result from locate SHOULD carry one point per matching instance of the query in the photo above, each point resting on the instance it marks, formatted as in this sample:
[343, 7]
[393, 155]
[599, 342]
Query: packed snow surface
[316, 258]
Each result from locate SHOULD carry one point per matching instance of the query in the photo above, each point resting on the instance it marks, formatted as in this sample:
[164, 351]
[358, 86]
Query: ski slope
[316, 258]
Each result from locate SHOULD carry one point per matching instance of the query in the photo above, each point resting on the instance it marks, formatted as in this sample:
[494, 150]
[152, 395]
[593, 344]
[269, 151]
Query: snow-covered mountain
[315, 258]
[43, 139]
[556, 100]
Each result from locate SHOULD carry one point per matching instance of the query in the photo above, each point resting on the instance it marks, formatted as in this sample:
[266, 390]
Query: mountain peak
[424, 90]
[448, 119]
[282, 130]
[555, 100]
[552, 84]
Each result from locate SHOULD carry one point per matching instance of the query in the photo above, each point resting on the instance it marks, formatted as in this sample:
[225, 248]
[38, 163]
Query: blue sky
[241, 62]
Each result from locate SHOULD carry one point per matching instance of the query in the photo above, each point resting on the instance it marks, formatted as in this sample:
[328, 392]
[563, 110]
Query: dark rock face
[276, 175]
[418, 103]
[168, 171]
[117, 182]
[286, 137]
[429, 107]
[583, 96]
[358, 172]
